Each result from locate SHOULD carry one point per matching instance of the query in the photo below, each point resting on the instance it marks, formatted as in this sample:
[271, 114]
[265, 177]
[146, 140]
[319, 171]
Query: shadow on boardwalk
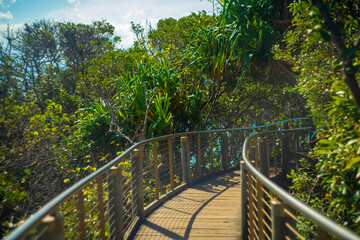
[208, 210]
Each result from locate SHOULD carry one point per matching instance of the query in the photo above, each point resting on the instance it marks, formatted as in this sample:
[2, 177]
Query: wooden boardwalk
[208, 210]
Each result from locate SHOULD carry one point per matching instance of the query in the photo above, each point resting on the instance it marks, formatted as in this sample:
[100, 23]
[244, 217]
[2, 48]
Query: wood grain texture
[208, 210]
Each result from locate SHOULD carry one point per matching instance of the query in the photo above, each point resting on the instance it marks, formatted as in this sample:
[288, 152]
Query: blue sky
[117, 12]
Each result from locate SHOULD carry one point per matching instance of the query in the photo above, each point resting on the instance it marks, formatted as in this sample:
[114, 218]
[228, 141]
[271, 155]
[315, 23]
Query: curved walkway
[207, 210]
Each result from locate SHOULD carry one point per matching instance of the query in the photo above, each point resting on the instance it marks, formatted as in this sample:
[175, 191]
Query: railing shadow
[209, 187]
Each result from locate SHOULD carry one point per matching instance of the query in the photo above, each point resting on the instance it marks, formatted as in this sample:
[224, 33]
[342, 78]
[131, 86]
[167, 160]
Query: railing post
[263, 163]
[255, 149]
[260, 207]
[185, 159]
[171, 168]
[231, 148]
[100, 205]
[275, 155]
[137, 163]
[224, 152]
[251, 153]
[267, 155]
[199, 155]
[278, 220]
[116, 204]
[211, 152]
[243, 199]
[263, 168]
[156, 170]
[251, 189]
[81, 215]
[285, 154]
[53, 226]
[322, 234]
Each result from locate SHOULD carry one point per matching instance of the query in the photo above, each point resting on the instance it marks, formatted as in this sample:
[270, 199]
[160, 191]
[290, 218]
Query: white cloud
[6, 16]
[6, 3]
[121, 12]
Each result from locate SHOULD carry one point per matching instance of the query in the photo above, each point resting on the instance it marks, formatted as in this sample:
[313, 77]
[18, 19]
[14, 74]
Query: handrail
[322, 221]
[49, 208]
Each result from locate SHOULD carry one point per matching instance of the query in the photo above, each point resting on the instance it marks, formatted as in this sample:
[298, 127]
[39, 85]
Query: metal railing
[112, 202]
[269, 211]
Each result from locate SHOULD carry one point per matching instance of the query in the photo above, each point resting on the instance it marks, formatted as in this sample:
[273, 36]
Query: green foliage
[308, 48]
[71, 100]
[306, 187]
[242, 36]
[12, 196]
[338, 151]
[31, 151]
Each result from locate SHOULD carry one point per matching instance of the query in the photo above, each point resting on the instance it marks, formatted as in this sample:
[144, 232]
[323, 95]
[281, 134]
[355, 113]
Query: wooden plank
[209, 210]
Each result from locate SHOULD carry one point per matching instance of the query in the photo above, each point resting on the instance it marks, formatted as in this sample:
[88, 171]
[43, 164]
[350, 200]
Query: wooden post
[243, 199]
[251, 206]
[53, 226]
[262, 156]
[199, 155]
[211, 152]
[232, 157]
[251, 153]
[260, 207]
[322, 234]
[263, 168]
[224, 152]
[185, 159]
[100, 206]
[278, 222]
[267, 155]
[285, 154]
[156, 170]
[81, 215]
[275, 155]
[171, 168]
[255, 149]
[137, 163]
[116, 221]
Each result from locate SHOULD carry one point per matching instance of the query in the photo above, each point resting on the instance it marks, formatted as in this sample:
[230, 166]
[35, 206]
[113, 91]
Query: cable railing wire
[278, 201]
[157, 165]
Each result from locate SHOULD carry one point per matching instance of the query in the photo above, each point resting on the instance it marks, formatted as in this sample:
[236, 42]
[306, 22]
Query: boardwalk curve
[112, 202]
[207, 210]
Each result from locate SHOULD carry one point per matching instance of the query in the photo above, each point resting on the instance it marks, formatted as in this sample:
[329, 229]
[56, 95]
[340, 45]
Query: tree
[80, 44]
[310, 47]
[347, 52]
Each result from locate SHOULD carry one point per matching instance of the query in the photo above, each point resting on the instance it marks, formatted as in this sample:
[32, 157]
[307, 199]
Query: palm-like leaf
[243, 35]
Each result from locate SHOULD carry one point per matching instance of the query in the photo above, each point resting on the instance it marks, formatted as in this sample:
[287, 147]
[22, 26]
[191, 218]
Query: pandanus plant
[240, 46]
[149, 95]
[242, 37]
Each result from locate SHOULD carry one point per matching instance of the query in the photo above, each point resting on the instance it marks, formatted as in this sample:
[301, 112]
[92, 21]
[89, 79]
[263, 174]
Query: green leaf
[357, 219]
[352, 162]
[324, 141]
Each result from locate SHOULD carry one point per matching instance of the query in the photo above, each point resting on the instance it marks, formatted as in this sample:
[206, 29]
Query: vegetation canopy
[71, 99]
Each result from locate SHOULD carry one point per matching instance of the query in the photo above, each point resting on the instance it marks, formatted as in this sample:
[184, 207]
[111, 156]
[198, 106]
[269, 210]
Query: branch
[146, 115]
[347, 59]
[212, 105]
[113, 123]
[312, 190]
[290, 79]
[121, 134]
